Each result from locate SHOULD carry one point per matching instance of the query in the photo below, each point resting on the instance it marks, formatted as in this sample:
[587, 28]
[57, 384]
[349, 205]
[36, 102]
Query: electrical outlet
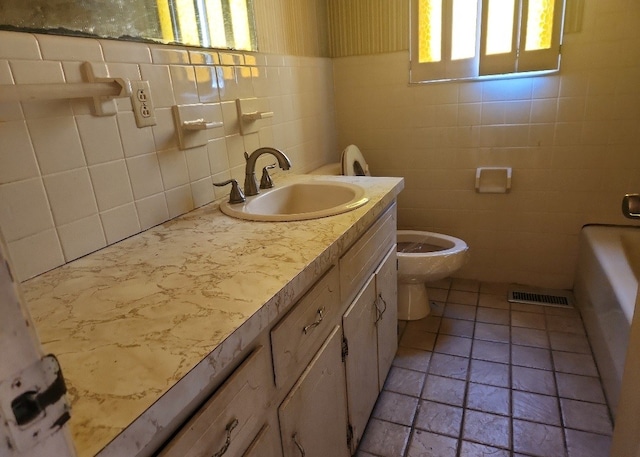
[142, 104]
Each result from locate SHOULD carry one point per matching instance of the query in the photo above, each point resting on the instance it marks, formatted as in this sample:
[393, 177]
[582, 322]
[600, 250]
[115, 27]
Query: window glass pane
[463, 31]
[240, 24]
[215, 16]
[500, 26]
[539, 25]
[429, 30]
[187, 22]
[166, 24]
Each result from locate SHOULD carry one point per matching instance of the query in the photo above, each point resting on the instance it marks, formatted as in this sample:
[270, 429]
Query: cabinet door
[267, 443]
[387, 320]
[230, 420]
[359, 322]
[313, 416]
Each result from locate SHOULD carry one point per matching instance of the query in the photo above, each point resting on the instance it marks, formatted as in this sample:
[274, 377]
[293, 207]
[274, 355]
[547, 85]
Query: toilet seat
[353, 163]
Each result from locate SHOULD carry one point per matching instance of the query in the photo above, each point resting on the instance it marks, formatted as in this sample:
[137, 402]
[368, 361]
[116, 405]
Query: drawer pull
[230, 426]
[298, 445]
[380, 313]
[317, 321]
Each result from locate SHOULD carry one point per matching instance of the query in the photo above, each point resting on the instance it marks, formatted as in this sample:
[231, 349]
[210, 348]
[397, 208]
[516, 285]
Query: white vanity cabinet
[234, 417]
[313, 416]
[370, 322]
[312, 393]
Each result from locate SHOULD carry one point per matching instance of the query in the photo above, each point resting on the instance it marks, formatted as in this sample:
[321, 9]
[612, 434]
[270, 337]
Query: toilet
[422, 256]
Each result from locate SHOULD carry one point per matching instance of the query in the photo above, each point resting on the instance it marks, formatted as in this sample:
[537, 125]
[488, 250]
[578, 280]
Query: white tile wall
[72, 183]
[572, 140]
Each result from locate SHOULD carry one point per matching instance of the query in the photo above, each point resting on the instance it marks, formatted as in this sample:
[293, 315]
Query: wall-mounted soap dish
[250, 112]
[493, 180]
[192, 125]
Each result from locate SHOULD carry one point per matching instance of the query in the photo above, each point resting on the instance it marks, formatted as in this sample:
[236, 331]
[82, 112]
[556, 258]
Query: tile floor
[484, 377]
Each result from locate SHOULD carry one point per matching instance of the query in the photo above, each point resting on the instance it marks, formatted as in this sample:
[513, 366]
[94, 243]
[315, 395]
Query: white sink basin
[299, 201]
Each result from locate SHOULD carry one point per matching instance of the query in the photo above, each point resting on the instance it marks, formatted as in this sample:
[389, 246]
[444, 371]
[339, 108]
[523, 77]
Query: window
[208, 23]
[458, 39]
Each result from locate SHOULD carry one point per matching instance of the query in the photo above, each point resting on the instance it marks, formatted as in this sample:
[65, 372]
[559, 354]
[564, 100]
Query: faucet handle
[265, 181]
[236, 195]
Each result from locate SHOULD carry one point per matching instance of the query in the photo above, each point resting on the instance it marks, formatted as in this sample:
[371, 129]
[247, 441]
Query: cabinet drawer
[233, 417]
[299, 334]
[361, 259]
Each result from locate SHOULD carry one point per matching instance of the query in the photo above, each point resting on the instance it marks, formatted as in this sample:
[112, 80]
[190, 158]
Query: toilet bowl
[422, 256]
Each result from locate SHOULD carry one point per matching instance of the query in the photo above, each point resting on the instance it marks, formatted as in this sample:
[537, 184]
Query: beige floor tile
[529, 337]
[527, 320]
[439, 418]
[533, 380]
[536, 408]
[463, 298]
[567, 362]
[412, 359]
[531, 357]
[450, 366]
[394, 407]
[494, 301]
[575, 387]
[417, 339]
[385, 438]
[569, 343]
[492, 332]
[486, 428]
[468, 449]
[490, 373]
[403, 381]
[492, 315]
[589, 417]
[444, 390]
[460, 311]
[432, 445]
[537, 439]
[453, 345]
[583, 444]
[491, 351]
[489, 399]
[456, 327]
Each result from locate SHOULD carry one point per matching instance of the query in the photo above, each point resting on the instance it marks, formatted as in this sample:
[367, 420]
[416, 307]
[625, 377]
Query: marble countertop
[141, 326]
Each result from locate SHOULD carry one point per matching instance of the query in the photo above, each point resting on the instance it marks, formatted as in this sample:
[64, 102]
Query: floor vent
[559, 299]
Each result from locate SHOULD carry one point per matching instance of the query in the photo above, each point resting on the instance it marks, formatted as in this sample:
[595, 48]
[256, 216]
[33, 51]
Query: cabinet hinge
[33, 404]
[345, 349]
[349, 435]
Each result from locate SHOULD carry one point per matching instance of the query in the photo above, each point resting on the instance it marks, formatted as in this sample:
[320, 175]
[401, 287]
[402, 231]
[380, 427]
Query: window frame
[518, 63]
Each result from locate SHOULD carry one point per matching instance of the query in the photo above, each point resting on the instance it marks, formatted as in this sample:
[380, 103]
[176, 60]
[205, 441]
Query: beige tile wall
[72, 182]
[573, 140]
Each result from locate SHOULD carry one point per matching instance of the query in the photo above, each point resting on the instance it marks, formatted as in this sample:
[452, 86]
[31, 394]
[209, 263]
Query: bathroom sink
[299, 201]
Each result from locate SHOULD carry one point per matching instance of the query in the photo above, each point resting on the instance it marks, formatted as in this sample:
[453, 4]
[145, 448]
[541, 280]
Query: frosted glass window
[208, 23]
[500, 26]
[539, 24]
[463, 31]
[215, 19]
[240, 24]
[430, 31]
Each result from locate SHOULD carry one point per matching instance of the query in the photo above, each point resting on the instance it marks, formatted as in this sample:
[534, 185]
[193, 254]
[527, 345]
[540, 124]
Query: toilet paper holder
[493, 180]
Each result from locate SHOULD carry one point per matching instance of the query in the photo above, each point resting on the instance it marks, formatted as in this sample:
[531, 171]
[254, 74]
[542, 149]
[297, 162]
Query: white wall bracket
[99, 86]
[192, 125]
[250, 112]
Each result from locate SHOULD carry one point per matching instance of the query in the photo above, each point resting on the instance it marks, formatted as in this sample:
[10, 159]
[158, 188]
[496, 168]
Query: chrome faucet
[250, 181]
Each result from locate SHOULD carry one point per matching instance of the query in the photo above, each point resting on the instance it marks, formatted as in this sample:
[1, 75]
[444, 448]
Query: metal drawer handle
[298, 445]
[380, 313]
[317, 321]
[230, 426]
